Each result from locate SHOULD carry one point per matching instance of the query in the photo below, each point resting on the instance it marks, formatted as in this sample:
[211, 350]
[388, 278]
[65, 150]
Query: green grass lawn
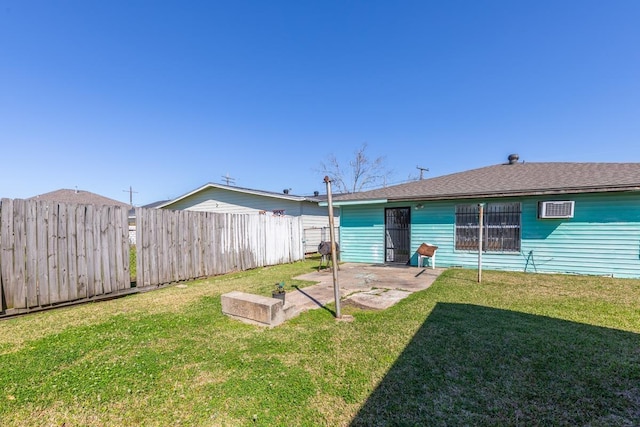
[519, 349]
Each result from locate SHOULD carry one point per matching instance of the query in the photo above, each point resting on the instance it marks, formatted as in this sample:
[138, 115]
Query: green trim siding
[603, 238]
[362, 236]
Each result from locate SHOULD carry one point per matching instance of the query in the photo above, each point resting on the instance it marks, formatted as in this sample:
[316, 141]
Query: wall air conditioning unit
[556, 209]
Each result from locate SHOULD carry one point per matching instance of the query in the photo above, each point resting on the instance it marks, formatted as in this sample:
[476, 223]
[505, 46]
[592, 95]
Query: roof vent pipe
[513, 158]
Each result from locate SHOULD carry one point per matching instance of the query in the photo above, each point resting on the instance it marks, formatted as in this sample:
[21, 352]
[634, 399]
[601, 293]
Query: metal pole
[334, 256]
[130, 191]
[480, 230]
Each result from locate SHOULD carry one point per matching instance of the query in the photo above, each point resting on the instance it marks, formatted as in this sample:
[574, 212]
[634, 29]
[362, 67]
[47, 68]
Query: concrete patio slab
[357, 281]
[376, 299]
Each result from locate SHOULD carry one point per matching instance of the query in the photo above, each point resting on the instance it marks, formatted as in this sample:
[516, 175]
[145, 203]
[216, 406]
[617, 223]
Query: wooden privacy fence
[51, 253]
[182, 245]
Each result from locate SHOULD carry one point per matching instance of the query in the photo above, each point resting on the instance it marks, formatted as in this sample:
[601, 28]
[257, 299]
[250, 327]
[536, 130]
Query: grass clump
[133, 266]
[518, 349]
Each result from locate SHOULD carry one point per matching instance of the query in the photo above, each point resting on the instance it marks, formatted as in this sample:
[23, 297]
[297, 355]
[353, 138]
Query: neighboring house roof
[79, 197]
[155, 204]
[132, 211]
[283, 196]
[511, 179]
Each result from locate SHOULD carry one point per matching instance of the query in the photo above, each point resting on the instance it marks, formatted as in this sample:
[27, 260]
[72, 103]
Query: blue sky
[165, 96]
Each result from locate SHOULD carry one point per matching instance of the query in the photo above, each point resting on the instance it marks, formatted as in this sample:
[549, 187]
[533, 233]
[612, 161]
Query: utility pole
[228, 180]
[130, 191]
[422, 170]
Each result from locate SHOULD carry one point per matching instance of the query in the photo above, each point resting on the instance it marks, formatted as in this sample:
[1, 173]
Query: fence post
[480, 238]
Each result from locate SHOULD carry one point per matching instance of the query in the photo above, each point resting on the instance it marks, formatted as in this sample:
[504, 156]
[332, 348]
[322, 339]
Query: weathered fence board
[91, 253]
[72, 254]
[106, 256]
[6, 257]
[63, 265]
[32, 256]
[181, 245]
[19, 296]
[42, 278]
[52, 259]
[53, 253]
[97, 251]
[81, 237]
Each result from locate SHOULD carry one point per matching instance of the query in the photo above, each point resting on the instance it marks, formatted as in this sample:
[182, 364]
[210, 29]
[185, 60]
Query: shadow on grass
[315, 301]
[473, 365]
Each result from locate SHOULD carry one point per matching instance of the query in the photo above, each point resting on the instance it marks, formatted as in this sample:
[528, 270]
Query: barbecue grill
[324, 249]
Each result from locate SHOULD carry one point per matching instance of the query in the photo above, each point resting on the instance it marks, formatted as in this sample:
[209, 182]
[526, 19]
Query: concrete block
[254, 308]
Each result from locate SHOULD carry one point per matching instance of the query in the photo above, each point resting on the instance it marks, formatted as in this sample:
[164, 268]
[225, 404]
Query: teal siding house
[576, 218]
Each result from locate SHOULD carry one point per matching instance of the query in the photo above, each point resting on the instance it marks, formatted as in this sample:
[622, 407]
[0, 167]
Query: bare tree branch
[361, 174]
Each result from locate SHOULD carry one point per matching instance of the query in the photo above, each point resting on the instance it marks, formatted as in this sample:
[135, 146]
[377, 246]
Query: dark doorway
[396, 226]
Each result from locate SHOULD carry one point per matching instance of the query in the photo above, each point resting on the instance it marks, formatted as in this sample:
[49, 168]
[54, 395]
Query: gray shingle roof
[155, 204]
[79, 197]
[518, 179]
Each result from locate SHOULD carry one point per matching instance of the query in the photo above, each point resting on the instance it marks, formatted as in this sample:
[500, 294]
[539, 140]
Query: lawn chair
[427, 251]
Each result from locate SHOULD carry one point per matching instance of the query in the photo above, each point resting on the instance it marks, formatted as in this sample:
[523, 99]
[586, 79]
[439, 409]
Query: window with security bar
[501, 227]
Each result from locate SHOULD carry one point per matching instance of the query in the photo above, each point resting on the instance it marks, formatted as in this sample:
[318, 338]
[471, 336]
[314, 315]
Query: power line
[388, 184]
